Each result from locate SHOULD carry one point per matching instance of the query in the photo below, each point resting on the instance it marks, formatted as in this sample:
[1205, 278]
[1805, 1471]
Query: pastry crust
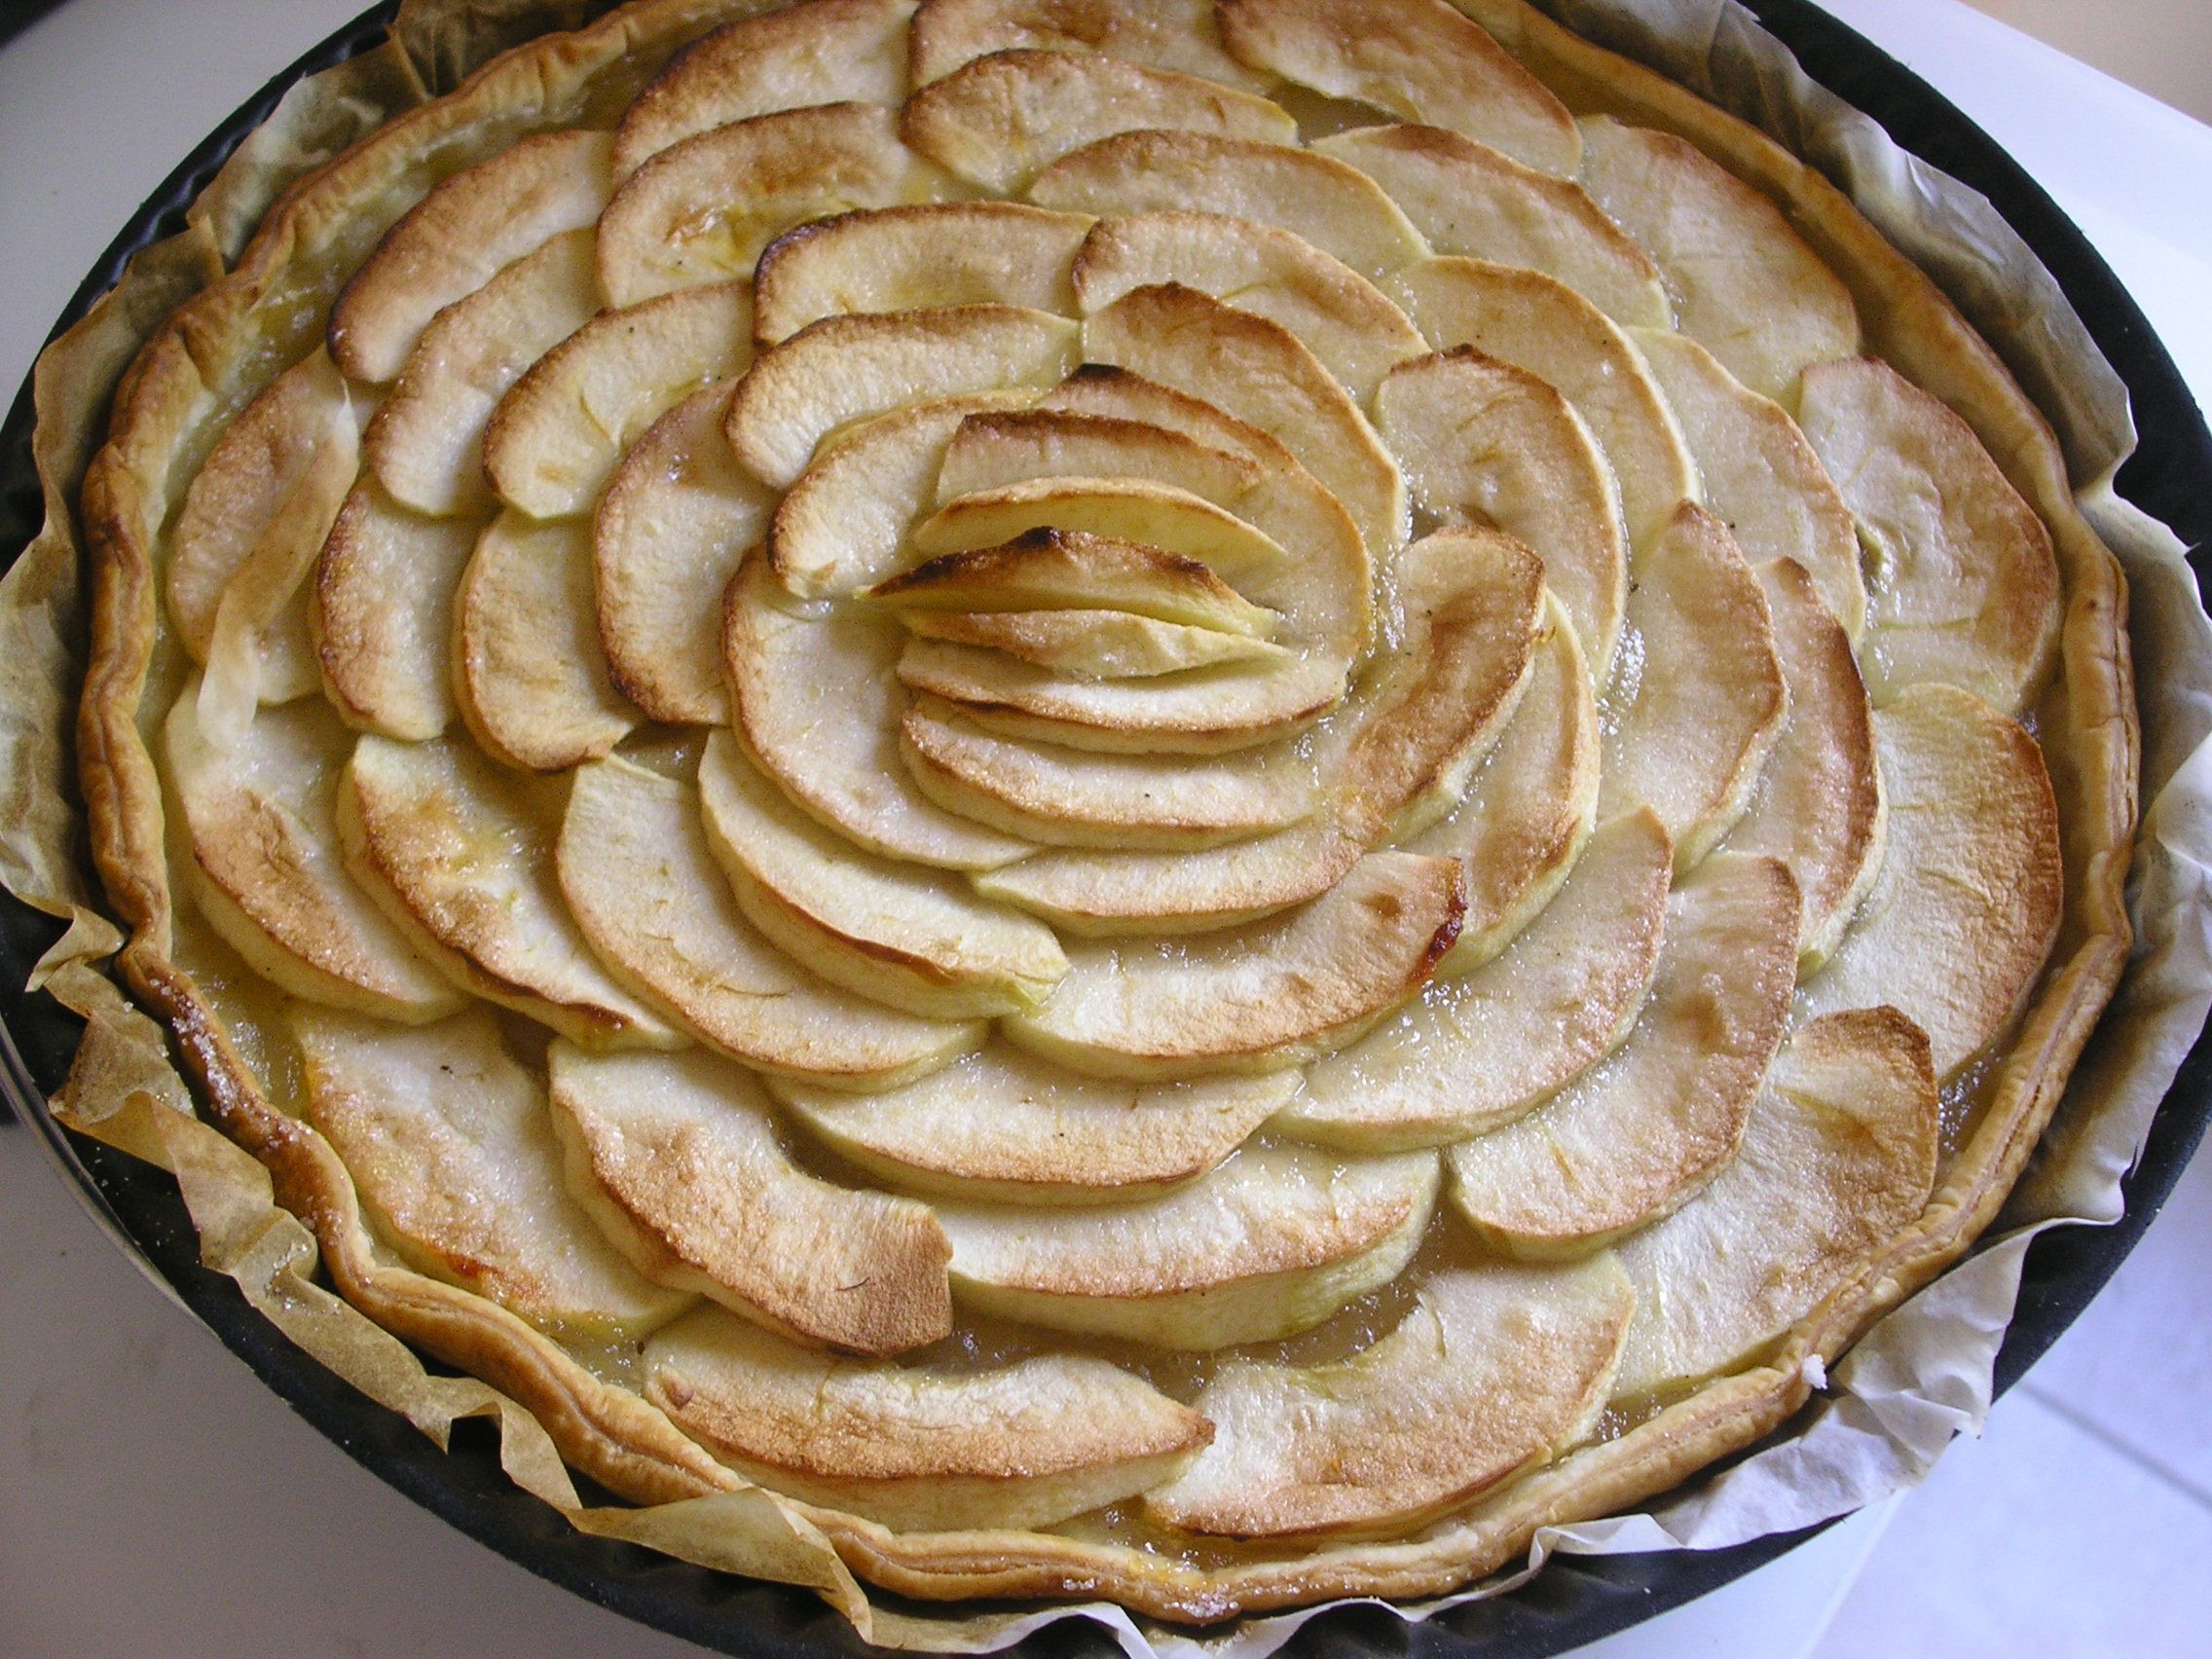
[202, 365]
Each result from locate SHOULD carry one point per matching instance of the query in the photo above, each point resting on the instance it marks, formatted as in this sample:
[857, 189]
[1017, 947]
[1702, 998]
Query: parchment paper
[1921, 1376]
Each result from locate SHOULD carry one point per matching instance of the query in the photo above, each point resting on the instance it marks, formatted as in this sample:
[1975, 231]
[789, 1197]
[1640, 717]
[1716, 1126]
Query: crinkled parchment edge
[1920, 1375]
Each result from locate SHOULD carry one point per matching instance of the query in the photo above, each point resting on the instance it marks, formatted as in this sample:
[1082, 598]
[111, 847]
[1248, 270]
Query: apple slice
[529, 675]
[642, 885]
[448, 1144]
[1543, 326]
[461, 860]
[1093, 644]
[459, 237]
[1483, 1050]
[260, 817]
[1635, 1138]
[1745, 286]
[1838, 1158]
[1064, 569]
[1494, 1369]
[381, 614]
[1697, 702]
[675, 1157]
[426, 443]
[1117, 510]
[1819, 807]
[1103, 392]
[1466, 198]
[1161, 35]
[920, 1448]
[1273, 1241]
[999, 119]
[672, 525]
[701, 210]
[1962, 915]
[561, 430]
[913, 258]
[1083, 799]
[1004, 1127]
[1255, 999]
[1334, 206]
[845, 771]
[819, 51]
[1962, 586]
[1480, 440]
[845, 369]
[1761, 478]
[996, 451]
[1344, 319]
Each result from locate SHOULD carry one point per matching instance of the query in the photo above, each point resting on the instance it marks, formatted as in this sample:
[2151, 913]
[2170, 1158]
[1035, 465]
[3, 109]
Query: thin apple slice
[640, 879]
[1083, 799]
[1837, 1160]
[1638, 1136]
[675, 1157]
[1482, 1050]
[1103, 892]
[1108, 513]
[1479, 439]
[1093, 644]
[1064, 569]
[845, 369]
[845, 771]
[672, 525]
[426, 443]
[913, 258]
[1697, 702]
[259, 814]
[1002, 1126]
[1819, 807]
[461, 234]
[559, 433]
[1334, 206]
[1494, 1369]
[1543, 326]
[1000, 119]
[993, 451]
[1255, 999]
[1760, 476]
[1467, 198]
[1959, 922]
[529, 675]
[461, 859]
[449, 1145]
[1745, 286]
[381, 614]
[1105, 393]
[1273, 1241]
[921, 1448]
[917, 939]
[1963, 588]
[1344, 319]
[1161, 35]
[1257, 371]
[820, 52]
[701, 210]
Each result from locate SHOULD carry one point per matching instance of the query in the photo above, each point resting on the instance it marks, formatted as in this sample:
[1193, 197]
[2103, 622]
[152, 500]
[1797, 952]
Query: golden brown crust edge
[2090, 742]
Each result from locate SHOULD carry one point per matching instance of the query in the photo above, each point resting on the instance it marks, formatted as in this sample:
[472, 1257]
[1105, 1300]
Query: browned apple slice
[459, 237]
[1494, 1369]
[675, 1157]
[1104, 391]
[381, 614]
[915, 258]
[1838, 1158]
[1636, 1137]
[1962, 916]
[819, 51]
[701, 210]
[1059, 569]
[1466, 197]
[1745, 286]
[1271, 1243]
[1093, 644]
[447, 1141]
[1422, 60]
[929, 1449]
[1056, 527]
[1161, 35]
[993, 451]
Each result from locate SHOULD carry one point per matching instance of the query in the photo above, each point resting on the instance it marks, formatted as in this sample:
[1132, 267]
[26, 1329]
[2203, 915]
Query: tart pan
[1576, 1600]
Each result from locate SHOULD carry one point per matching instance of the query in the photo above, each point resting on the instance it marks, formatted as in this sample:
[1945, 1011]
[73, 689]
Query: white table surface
[153, 1497]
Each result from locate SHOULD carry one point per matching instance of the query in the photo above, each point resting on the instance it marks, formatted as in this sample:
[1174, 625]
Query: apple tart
[1189, 801]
